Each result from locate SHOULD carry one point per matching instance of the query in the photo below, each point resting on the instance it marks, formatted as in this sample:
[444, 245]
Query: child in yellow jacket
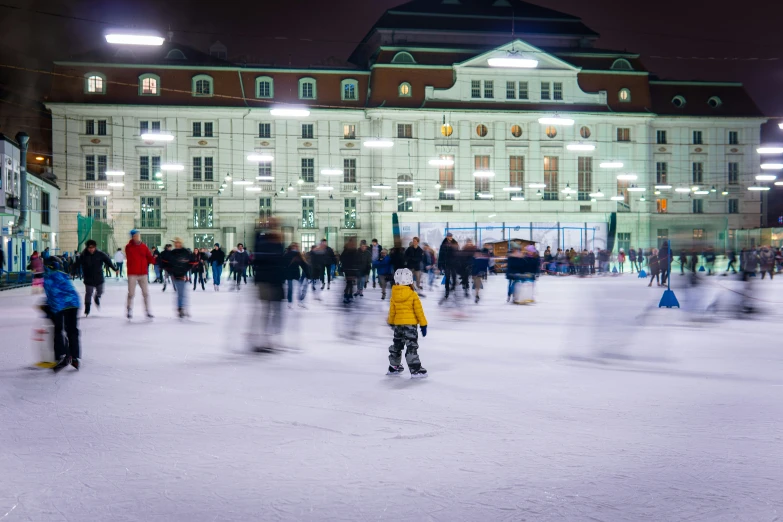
[405, 313]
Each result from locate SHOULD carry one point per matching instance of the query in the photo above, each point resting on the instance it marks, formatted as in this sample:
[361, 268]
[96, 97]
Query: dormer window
[94, 83]
[404, 90]
[265, 87]
[485, 88]
[349, 90]
[624, 95]
[403, 57]
[678, 101]
[202, 85]
[307, 90]
[149, 85]
[621, 64]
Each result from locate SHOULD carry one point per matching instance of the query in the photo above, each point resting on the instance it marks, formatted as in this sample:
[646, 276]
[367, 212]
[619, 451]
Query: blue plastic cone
[614, 270]
[668, 300]
[642, 275]
[701, 269]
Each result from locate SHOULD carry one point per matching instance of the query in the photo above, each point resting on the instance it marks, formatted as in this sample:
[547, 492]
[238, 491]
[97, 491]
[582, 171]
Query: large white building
[550, 138]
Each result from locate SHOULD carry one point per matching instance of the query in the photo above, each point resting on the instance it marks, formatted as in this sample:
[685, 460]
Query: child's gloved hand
[424, 331]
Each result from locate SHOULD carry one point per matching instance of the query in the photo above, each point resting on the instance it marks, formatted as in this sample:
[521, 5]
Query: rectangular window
[349, 91]
[349, 170]
[209, 169]
[265, 170]
[149, 86]
[698, 172]
[623, 134]
[349, 131]
[45, 203]
[511, 90]
[661, 173]
[155, 125]
[208, 129]
[516, 175]
[307, 131]
[557, 91]
[308, 213]
[622, 189]
[446, 179]
[144, 168]
[150, 212]
[404, 191]
[197, 168]
[144, 127]
[196, 129]
[307, 91]
[89, 167]
[489, 89]
[624, 241]
[349, 213]
[544, 90]
[733, 206]
[698, 233]
[475, 89]
[264, 211]
[585, 178]
[550, 177]
[308, 170]
[264, 130]
[97, 207]
[662, 205]
[89, 127]
[102, 168]
[308, 241]
[733, 138]
[660, 137]
[663, 235]
[733, 173]
[151, 240]
[481, 185]
[698, 206]
[404, 130]
[155, 160]
[264, 89]
[202, 212]
[101, 127]
[697, 138]
[523, 95]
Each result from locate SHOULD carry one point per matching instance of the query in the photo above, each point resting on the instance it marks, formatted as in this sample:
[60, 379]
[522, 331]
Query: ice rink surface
[592, 404]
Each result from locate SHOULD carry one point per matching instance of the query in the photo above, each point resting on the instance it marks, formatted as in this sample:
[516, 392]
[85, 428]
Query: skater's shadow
[401, 382]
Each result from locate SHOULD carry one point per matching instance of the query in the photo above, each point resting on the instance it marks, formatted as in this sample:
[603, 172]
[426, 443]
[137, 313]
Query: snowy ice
[591, 404]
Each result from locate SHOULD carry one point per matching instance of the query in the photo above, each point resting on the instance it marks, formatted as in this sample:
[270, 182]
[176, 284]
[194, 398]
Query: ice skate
[76, 363]
[62, 363]
[420, 373]
[395, 370]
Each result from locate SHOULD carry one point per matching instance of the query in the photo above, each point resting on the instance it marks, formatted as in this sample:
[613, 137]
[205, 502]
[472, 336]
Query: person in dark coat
[62, 307]
[240, 261]
[414, 256]
[464, 258]
[365, 266]
[199, 260]
[447, 262]
[632, 259]
[351, 261]
[295, 268]
[217, 260]
[479, 270]
[663, 261]
[269, 275]
[323, 259]
[385, 273]
[655, 268]
[91, 263]
[375, 251]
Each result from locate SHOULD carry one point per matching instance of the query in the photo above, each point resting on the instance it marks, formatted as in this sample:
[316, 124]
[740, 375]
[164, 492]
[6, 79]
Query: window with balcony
[149, 212]
[265, 171]
[734, 173]
[585, 177]
[349, 170]
[308, 170]
[202, 212]
[551, 177]
[349, 213]
[149, 167]
[264, 211]
[203, 168]
[662, 173]
[308, 213]
[698, 172]
[95, 166]
[97, 207]
[264, 130]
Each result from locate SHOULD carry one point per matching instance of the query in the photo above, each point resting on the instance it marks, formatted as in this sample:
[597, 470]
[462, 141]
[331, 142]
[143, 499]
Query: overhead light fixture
[694, 188]
[483, 174]
[752, 187]
[228, 176]
[512, 189]
[451, 191]
[378, 144]
[404, 183]
[115, 173]
[512, 61]
[766, 177]
[725, 192]
[253, 189]
[441, 162]
[772, 166]
[713, 189]
[437, 184]
[381, 187]
[662, 187]
[702, 192]
[39, 158]
[242, 182]
[555, 120]
[567, 189]
[307, 196]
[777, 184]
[290, 187]
[657, 192]
[484, 195]
[292, 112]
[611, 165]
[156, 136]
[300, 181]
[413, 199]
[418, 192]
[282, 190]
[491, 215]
[222, 185]
[372, 193]
[332, 172]
[102, 192]
[539, 194]
[265, 178]
[627, 177]
[324, 188]
[636, 189]
[115, 184]
[580, 146]
[260, 157]
[770, 150]
[537, 185]
[517, 198]
[355, 190]
[618, 198]
[642, 198]
[158, 174]
[598, 194]
[134, 38]
[682, 189]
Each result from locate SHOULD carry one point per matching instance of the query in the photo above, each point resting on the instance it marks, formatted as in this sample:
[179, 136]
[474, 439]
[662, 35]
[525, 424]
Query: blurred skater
[384, 270]
[269, 275]
[92, 261]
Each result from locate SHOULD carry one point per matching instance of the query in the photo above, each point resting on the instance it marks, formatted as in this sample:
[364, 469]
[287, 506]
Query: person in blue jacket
[384, 269]
[480, 267]
[62, 307]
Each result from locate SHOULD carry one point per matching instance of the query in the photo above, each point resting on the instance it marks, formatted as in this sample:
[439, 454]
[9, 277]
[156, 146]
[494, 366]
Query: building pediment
[518, 50]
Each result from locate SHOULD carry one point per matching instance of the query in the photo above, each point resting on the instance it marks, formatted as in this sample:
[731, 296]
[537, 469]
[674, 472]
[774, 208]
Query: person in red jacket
[139, 259]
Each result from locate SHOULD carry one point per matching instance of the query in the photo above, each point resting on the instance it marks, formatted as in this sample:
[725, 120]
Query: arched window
[307, 89]
[714, 102]
[265, 87]
[404, 90]
[624, 95]
[95, 83]
[403, 57]
[202, 85]
[621, 64]
[349, 90]
[149, 85]
[175, 54]
[678, 101]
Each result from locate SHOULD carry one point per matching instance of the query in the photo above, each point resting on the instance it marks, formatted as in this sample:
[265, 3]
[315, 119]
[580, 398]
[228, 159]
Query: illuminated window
[551, 177]
[482, 130]
[623, 134]
[624, 95]
[202, 85]
[662, 205]
[149, 85]
[405, 90]
[550, 131]
[584, 132]
[516, 131]
[95, 83]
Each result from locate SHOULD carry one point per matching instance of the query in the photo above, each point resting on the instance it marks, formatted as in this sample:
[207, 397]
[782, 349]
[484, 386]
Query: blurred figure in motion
[447, 263]
[767, 262]
[92, 262]
[480, 267]
[295, 269]
[384, 270]
[664, 261]
[405, 314]
[414, 256]
[323, 260]
[709, 260]
[621, 260]
[217, 259]
[655, 268]
[365, 266]
[240, 262]
[139, 260]
[269, 274]
[351, 262]
[683, 261]
[732, 258]
[632, 258]
[375, 251]
[640, 260]
[465, 265]
[119, 260]
[515, 267]
[157, 265]
[62, 307]
[162, 260]
[179, 262]
[430, 263]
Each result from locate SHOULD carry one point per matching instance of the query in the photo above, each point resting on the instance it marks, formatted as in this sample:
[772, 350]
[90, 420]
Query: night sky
[677, 39]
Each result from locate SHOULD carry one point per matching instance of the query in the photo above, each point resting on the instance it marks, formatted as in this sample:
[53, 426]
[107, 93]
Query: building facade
[493, 120]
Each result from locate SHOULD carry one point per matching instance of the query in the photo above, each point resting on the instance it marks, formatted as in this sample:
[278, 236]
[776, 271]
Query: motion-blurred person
[655, 268]
[375, 250]
[430, 263]
[365, 266]
[694, 261]
[465, 265]
[640, 260]
[405, 314]
[621, 260]
[92, 262]
[197, 269]
[162, 260]
[217, 260]
[295, 269]
[179, 263]
[709, 260]
[323, 260]
[139, 261]
[632, 258]
[767, 262]
[384, 269]
[515, 267]
[157, 265]
[240, 261]
[62, 307]
[732, 258]
[414, 256]
[36, 264]
[119, 261]
[683, 261]
[269, 273]
[664, 261]
[479, 270]
[447, 262]
[351, 262]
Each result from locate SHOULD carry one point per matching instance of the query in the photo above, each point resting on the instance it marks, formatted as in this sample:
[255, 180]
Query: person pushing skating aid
[405, 314]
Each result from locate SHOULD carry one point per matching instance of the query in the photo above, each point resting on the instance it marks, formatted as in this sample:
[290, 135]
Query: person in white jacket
[119, 260]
